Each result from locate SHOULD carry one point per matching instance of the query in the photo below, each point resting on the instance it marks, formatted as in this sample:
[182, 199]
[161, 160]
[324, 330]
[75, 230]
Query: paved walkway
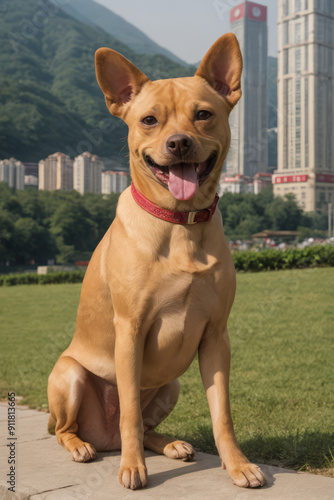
[45, 471]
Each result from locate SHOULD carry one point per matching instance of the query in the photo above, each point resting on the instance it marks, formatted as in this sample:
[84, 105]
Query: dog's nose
[179, 145]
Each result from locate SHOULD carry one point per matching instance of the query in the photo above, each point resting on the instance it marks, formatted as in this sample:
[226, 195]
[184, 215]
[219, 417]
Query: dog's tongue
[183, 181]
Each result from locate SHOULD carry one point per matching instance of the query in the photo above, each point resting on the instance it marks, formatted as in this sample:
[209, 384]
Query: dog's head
[178, 128]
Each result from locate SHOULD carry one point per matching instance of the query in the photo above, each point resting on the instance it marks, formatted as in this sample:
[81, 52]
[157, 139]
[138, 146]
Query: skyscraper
[12, 172]
[249, 141]
[87, 171]
[56, 172]
[306, 102]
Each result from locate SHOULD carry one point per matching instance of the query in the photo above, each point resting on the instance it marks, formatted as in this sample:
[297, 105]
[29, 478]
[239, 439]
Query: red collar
[170, 216]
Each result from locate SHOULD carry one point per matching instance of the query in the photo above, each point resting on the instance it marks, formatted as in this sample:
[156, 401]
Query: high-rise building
[12, 172]
[248, 153]
[114, 181]
[87, 169]
[56, 172]
[306, 102]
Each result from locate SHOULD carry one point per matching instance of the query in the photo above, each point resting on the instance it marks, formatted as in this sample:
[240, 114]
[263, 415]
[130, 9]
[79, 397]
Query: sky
[187, 27]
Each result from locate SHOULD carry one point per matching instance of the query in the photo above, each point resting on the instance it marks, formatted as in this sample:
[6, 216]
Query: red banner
[325, 178]
[256, 11]
[237, 13]
[285, 179]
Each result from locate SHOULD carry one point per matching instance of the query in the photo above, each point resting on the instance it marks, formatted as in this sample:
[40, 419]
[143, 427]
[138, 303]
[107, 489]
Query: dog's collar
[171, 216]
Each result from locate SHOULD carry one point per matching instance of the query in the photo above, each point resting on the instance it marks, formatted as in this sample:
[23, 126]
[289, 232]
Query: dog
[160, 285]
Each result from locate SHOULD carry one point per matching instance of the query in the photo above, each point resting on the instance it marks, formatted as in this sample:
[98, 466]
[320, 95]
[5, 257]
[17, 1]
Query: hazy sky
[187, 27]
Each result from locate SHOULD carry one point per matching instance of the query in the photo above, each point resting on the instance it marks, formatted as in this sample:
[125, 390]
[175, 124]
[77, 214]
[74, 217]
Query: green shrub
[42, 279]
[291, 258]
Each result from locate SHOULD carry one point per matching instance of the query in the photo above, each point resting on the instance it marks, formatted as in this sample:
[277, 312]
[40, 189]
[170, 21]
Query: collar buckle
[191, 218]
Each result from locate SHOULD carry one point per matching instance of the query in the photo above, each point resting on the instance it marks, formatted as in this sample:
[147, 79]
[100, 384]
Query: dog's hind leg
[67, 384]
[155, 412]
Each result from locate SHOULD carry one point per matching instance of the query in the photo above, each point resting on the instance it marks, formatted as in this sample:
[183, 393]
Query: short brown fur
[155, 293]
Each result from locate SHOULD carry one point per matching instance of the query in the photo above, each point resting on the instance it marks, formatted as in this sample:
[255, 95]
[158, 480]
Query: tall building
[56, 172]
[306, 102]
[12, 172]
[114, 181]
[248, 153]
[87, 169]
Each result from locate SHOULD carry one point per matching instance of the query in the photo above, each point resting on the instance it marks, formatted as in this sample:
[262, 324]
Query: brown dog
[157, 292]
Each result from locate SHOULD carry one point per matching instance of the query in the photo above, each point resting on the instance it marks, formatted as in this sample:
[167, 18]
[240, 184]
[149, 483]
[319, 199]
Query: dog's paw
[248, 476]
[83, 452]
[179, 450]
[133, 477]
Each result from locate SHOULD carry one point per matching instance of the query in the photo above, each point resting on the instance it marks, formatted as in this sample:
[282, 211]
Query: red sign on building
[255, 11]
[325, 178]
[286, 179]
[237, 13]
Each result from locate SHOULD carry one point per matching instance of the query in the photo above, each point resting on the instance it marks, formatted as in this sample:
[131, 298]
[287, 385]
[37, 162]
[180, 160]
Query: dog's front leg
[214, 361]
[128, 361]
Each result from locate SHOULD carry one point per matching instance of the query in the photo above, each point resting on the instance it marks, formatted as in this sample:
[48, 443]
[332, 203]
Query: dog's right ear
[119, 79]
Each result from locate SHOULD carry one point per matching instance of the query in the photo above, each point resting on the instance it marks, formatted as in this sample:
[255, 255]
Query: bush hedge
[42, 279]
[266, 260]
[291, 258]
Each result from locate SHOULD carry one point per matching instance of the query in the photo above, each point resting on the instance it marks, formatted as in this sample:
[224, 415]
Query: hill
[94, 14]
[49, 97]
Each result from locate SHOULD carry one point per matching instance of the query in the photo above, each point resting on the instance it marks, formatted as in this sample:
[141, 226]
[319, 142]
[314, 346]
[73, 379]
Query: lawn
[282, 380]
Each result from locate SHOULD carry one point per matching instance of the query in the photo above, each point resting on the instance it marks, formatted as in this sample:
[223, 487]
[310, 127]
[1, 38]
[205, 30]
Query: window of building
[306, 4]
[291, 58]
[286, 7]
[298, 123]
[306, 28]
[306, 58]
[285, 33]
[298, 5]
[285, 61]
[306, 130]
[298, 60]
[298, 31]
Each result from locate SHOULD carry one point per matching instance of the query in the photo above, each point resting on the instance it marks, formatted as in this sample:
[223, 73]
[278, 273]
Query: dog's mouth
[182, 179]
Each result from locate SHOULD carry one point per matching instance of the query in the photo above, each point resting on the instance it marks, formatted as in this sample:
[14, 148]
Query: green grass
[282, 379]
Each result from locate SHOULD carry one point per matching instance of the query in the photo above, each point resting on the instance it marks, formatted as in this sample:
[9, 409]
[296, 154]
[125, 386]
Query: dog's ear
[222, 67]
[119, 79]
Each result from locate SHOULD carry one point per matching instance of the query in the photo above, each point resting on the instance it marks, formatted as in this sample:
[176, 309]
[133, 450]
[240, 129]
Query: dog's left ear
[222, 67]
[119, 79]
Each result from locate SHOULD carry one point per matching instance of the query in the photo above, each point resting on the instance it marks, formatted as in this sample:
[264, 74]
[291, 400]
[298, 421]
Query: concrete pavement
[45, 471]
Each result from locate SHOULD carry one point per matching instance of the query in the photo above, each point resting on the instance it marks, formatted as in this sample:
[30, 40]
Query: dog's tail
[52, 426]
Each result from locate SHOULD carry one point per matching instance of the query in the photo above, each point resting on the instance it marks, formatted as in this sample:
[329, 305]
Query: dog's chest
[182, 306]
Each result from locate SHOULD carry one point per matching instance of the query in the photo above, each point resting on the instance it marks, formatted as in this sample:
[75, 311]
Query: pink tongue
[183, 181]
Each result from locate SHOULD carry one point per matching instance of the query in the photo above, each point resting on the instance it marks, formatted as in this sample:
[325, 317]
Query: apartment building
[12, 173]
[87, 169]
[114, 181]
[306, 102]
[56, 173]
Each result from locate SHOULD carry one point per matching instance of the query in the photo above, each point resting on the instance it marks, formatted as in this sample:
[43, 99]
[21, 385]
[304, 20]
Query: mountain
[92, 13]
[49, 98]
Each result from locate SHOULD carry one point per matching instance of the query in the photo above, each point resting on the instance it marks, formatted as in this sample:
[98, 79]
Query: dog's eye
[203, 114]
[149, 120]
